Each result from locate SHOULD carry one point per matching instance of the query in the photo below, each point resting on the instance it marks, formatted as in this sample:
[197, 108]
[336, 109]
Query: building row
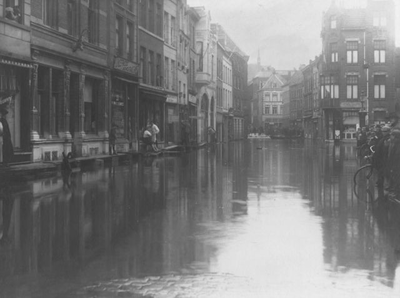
[353, 83]
[72, 69]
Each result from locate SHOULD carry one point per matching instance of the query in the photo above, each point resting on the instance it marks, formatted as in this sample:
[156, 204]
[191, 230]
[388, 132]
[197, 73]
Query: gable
[273, 82]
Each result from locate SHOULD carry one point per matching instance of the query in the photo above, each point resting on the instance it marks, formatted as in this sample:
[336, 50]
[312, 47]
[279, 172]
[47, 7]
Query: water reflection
[272, 208]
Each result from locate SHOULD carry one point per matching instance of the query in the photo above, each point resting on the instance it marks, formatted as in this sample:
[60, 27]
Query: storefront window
[118, 108]
[90, 105]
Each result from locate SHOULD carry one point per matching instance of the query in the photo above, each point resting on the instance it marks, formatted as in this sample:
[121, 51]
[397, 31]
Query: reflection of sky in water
[280, 246]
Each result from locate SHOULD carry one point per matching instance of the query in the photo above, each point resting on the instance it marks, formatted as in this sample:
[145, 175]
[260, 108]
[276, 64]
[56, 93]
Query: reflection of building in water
[353, 238]
[49, 223]
[239, 180]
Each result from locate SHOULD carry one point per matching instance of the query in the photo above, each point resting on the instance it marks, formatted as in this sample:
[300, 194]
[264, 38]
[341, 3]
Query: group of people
[385, 143]
[149, 137]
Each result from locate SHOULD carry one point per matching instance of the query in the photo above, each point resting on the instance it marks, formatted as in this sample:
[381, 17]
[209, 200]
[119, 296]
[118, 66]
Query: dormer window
[333, 22]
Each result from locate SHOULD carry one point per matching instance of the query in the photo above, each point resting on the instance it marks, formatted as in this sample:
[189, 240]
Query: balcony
[203, 78]
[330, 103]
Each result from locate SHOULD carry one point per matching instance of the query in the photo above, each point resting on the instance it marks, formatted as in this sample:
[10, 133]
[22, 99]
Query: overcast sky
[287, 32]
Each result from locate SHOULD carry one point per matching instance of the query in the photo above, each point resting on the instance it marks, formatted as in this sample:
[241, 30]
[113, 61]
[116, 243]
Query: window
[352, 52]
[151, 15]
[274, 97]
[143, 64]
[329, 87]
[93, 22]
[150, 68]
[173, 77]
[90, 105]
[266, 110]
[334, 52]
[118, 35]
[380, 86]
[73, 17]
[380, 51]
[173, 31]
[212, 67]
[159, 19]
[129, 41]
[158, 71]
[13, 10]
[130, 4]
[333, 22]
[352, 87]
[379, 19]
[166, 27]
[274, 110]
[199, 50]
[50, 13]
[267, 96]
[143, 13]
[166, 73]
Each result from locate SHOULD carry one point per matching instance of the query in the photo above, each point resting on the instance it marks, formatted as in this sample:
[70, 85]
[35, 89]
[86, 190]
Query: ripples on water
[278, 222]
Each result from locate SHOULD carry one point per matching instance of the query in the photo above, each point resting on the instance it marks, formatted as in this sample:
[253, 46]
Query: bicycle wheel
[365, 172]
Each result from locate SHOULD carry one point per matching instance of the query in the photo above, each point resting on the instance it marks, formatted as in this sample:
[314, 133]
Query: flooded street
[260, 218]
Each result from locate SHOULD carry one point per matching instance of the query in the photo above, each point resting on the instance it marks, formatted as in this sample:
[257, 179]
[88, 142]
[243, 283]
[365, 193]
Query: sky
[286, 32]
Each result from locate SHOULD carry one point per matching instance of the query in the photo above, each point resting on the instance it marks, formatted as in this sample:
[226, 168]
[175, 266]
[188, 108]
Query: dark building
[123, 61]
[151, 65]
[16, 68]
[70, 78]
[357, 79]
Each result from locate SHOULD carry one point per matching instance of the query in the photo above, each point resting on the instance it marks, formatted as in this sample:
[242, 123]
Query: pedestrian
[112, 139]
[147, 137]
[379, 160]
[394, 162]
[153, 128]
[358, 135]
[8, 150]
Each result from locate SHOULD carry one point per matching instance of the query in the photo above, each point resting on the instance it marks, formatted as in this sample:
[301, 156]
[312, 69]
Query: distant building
[296, 97]
[271, 97]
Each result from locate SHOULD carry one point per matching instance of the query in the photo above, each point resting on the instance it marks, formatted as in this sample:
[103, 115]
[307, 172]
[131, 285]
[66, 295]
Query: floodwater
[259, 218]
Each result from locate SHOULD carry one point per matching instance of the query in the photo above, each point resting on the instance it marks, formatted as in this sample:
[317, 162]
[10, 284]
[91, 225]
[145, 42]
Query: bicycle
[364, 173]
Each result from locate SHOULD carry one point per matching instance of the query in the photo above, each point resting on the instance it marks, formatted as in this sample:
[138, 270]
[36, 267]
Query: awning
[352, 120]
[15, 63]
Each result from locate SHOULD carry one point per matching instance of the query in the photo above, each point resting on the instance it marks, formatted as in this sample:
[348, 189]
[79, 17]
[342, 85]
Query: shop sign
[172, 99]
[350, 105]
[126, 66]
[192, 98]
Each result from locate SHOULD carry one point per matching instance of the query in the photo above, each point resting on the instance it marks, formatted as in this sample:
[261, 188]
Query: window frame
[16, 15]
[93, 22]
[352, 83]
[380, 86]
[380, 51]
[352, 51]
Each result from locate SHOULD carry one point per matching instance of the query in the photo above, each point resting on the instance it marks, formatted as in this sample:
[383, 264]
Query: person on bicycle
[363, 136]
[379, 160]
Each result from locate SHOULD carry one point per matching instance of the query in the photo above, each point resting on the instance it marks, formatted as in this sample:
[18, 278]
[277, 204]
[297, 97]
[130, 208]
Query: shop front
[152, 108]
[124, 113]
[70, 107]
[172, 132]
[15, 99]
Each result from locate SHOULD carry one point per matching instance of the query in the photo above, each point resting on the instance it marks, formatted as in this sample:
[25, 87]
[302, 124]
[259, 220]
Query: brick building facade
[358, 75]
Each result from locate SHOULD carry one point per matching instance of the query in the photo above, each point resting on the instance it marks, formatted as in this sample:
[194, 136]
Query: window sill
[15, 24]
